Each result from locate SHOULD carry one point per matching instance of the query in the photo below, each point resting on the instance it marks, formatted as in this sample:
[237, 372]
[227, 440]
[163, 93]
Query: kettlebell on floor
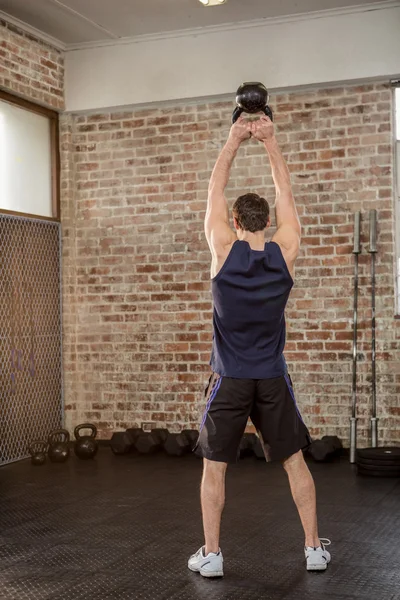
[85, 446]
[38, 451]
[58, 451]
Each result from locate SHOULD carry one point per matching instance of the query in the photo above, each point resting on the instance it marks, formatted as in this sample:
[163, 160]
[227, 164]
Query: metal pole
[353, 418]
[372, 250]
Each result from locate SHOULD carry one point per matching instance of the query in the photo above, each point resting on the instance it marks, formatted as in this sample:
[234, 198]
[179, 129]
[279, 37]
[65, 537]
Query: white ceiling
[78, 21]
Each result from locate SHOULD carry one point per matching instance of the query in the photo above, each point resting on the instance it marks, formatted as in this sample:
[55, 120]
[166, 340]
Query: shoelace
[324, 542]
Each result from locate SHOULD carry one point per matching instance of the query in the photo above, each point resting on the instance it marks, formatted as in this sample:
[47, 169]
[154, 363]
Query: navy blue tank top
[250, 293]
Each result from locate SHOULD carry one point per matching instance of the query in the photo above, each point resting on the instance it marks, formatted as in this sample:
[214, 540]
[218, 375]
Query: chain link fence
[30, 334]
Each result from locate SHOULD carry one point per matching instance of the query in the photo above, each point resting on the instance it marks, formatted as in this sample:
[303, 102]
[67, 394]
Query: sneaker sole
[212, 574]
[320, 567]
[206, 573]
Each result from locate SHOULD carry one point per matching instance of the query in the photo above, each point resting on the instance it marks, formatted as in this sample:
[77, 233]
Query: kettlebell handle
[238, 111]
[38, 446]
[78, 428]
[58, 432]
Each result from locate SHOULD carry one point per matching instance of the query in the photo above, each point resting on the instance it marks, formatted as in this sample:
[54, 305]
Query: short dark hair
[251, 212]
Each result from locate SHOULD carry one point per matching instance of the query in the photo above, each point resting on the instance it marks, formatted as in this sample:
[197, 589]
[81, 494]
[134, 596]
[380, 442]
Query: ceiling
[78, 21]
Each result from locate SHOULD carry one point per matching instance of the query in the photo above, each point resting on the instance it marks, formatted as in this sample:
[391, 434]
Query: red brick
[35, 84]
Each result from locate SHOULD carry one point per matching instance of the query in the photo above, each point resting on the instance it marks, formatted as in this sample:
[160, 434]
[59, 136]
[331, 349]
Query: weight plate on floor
[383, 453]
[375, 473]
[388, 468]
[378, 463]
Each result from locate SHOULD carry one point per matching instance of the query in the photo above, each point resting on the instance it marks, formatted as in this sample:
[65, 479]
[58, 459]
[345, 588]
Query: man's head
[251, 213]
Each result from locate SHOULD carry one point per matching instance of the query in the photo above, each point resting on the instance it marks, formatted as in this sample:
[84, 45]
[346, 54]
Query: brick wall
[136, 266]
[31, 68]
[69, 229]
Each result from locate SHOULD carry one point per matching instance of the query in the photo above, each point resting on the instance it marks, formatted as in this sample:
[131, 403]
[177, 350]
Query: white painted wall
[286, 53]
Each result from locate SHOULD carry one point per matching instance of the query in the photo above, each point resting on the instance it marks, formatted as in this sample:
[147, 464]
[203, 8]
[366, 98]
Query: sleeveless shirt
[250, 293]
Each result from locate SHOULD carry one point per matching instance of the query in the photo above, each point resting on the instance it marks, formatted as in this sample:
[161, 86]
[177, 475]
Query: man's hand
[240, 131]
[263, 129]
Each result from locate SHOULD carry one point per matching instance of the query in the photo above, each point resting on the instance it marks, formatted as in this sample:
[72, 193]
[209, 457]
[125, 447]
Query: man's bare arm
[286, 213]
[217, 228]
[287, 220]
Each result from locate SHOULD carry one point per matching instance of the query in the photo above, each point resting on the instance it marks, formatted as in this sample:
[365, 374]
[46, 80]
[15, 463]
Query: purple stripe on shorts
[293, 398]
[215, 389]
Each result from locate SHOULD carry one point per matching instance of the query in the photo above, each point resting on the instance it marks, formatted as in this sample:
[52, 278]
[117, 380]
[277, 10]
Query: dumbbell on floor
[152, 441]
[177, 444]
[123, 442]
[134, 433]
[193, 436]
[258, 448]
[325, 449]
[246, 447]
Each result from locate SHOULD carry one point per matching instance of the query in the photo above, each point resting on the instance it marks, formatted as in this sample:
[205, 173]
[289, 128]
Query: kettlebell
[85, 446]
[251, 97]
[38, 451]
[58, 446]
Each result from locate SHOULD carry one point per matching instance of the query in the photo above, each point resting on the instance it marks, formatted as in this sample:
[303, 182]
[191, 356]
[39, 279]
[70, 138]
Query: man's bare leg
[212, 502]
[303, 492]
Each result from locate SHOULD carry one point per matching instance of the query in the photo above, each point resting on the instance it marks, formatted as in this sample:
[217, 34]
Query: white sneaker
[318, 558]
[211, 565]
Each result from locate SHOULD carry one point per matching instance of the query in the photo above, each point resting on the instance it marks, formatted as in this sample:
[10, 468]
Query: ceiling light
[212, 2]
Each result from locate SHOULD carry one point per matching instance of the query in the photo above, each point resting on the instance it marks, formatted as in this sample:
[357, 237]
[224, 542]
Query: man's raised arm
[217, 228]
[287, 220]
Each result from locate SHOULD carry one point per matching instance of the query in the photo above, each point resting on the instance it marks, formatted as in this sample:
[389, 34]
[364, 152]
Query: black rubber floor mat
[379, 472]
[123, 528]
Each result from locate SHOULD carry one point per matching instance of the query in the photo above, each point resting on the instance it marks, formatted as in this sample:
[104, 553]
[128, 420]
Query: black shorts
[270, 404]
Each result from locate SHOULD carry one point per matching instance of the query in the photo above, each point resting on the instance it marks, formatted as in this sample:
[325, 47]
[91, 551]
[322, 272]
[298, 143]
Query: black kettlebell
[58, 446]
[85, 446]
[252, 98]
[38, 451]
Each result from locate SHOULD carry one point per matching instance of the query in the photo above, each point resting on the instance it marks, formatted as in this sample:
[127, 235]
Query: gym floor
[123, 528]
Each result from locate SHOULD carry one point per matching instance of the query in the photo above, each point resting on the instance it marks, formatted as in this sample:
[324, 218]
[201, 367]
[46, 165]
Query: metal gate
[31, 402]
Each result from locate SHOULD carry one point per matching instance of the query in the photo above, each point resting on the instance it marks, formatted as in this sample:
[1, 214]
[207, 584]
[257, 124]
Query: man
[251, 283]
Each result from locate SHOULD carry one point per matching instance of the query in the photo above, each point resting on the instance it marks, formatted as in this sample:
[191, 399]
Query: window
[397, 192]
[29, 163]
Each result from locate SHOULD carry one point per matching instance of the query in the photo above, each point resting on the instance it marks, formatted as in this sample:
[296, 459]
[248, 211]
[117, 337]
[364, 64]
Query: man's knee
[294, 462]
[214, 468]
